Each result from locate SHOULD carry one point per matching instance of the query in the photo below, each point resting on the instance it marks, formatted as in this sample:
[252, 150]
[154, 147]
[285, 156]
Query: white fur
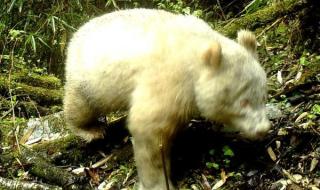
[153, 64]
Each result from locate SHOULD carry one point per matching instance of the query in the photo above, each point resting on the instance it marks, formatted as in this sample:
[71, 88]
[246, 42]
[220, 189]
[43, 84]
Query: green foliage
[180, 6]
[212, 152]
[309, 60]
[303, 60]
[227, 151]
[38, 31]
[212, 165]
[221, 161]
[315, 109]
[255, 5]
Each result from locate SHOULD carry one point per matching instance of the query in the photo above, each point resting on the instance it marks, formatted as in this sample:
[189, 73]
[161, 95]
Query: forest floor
[288, 158]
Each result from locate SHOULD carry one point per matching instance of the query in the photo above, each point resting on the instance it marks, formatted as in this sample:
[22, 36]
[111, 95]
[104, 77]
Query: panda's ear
[212, 57]
[248, 40]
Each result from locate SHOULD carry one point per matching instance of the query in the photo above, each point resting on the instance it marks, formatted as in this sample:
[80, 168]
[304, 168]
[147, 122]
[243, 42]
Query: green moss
[259, 18]
[45, 81]
[8, 128]
[40, 95]
[59, 145]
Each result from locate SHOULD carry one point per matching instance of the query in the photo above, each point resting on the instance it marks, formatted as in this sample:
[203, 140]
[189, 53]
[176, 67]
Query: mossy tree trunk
[262, 17]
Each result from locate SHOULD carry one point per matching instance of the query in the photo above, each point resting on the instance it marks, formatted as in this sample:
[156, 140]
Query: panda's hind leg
[80, 117]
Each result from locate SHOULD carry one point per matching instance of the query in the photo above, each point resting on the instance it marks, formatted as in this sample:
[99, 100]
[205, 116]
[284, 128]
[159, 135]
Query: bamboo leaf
[33, 44]
[53, 25]
[11, 6]
[43, 42]
[66, 24]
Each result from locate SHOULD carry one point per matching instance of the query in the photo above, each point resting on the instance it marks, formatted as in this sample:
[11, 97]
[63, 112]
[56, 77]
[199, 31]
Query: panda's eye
[244, 103]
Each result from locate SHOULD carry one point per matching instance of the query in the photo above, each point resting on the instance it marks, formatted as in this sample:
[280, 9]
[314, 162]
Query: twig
[286, 91]
[19, 162]
[230, 22]
[11, 98]
[245, 8]
[115, 4]
[230, 4]
[35, 107]
[314, 130]
[223, 15]
[101, 162]
[7, 112]
[268, 28]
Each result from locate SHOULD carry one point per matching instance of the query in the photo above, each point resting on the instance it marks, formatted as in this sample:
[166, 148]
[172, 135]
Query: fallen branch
[261, 17]
[291, 89]
[41, 95]
[41, 167]
[10, 184]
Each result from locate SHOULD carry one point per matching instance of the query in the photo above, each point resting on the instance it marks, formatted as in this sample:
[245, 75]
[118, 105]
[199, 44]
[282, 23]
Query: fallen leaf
[280, 184]
[107, 185]
[126, 139]
[252, 173]
[289, 176]
[221, 181]
[27, 135]
[298, 76]
[278, 144]
[313, 165]
[279, 77]
[282, 132]
[271, 154]
[195, 187]
[94, 175]
[129, 174]
[297, 177]
[33, 141]
[223, 175]
[78, 171]
[314, 188]
[206, 185]
[316, 181]
[301, 116]
[218, 184]
[294, 187]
